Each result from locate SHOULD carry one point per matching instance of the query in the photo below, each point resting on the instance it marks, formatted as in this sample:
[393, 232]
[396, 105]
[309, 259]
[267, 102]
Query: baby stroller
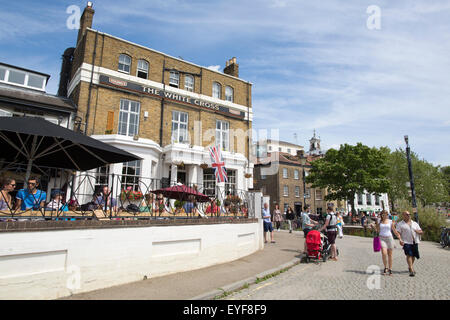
[317, 246]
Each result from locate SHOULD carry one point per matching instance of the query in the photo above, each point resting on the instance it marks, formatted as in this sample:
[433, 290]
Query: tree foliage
[350, 170]
[429, 180]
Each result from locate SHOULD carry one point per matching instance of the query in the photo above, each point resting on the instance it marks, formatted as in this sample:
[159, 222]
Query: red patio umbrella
[182, 193]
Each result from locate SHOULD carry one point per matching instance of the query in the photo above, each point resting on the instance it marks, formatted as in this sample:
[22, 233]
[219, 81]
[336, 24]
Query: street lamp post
[411, 180]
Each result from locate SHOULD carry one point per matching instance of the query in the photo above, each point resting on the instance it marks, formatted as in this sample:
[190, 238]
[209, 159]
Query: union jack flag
[218, 164]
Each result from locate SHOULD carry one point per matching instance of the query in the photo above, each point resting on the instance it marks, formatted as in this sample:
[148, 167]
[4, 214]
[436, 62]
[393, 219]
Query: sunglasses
[31, 184]
[12, 184]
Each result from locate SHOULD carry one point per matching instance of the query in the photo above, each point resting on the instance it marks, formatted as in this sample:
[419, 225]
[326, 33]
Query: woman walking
[289, 217]
[339, 224]
[277, 217]
[385, 227]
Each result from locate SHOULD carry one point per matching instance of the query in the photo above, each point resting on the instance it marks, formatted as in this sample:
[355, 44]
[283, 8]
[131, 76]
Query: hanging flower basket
[204, 166]
[248, 175]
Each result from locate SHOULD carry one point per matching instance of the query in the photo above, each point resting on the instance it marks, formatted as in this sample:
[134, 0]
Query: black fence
[103, 195]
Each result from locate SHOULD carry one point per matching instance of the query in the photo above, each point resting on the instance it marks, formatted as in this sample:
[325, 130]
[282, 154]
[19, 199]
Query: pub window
[377, 200]
[17, 77]
[209, 182]
[189, 83]
[230, 185]
[217, 90]
[286, 191]
[131, 173]
[297, 191]
[129, 118]
[124, 63]
[142, 69]
[174, 80]
[222, 134]
[102, 176]
[285, 173]
[229, 93]
[296, 174]
[179, 127]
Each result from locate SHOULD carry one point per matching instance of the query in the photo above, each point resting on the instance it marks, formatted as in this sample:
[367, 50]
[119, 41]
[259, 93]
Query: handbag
[376, 244]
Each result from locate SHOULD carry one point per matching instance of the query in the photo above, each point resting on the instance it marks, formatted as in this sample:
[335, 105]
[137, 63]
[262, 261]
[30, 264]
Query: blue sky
[313, 64]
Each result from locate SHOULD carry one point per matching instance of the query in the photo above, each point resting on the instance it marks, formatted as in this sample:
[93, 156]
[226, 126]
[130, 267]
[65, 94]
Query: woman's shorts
[268, 227]
[411, 250]
[331, 235]
[387, 242]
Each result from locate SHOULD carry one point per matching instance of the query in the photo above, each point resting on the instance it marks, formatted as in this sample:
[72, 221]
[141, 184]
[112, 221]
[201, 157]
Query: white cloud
[215, 68]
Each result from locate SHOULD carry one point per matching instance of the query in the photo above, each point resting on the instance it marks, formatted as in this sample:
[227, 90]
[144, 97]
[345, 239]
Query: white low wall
[55, 264]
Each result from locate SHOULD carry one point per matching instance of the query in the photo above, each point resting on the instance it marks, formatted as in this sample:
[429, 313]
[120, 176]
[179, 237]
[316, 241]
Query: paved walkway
[205, 283]
[347, 279]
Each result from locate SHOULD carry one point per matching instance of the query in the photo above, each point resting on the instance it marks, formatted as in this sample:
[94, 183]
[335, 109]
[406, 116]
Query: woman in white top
[385, 227]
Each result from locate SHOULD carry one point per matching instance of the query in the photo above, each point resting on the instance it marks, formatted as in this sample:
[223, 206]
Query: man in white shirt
[267, 223]
[409, 238]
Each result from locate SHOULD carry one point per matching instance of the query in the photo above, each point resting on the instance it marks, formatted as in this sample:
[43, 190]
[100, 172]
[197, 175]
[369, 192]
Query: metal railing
[87, 195]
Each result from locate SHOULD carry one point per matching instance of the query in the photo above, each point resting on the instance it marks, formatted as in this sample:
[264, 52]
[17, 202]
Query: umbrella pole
[30, 160]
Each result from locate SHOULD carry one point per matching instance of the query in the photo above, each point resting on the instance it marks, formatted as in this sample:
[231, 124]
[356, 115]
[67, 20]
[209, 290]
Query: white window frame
[318, 191]
[229, 93]
[286, 190]
[142, 69]
[4, 113]
[131, 179]
[297, 191]
[223, 134]
[296, 174]
[189, 86]
[124, 64]
[285, 173]
[125, 110]
[174, 79]
[217, 90]
[178, 123]
[26, 81]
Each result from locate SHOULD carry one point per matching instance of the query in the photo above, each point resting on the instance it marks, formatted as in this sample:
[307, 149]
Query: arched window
[142, 69]
[124, 63]
[229, 92]
[217, 90]
[189, 83]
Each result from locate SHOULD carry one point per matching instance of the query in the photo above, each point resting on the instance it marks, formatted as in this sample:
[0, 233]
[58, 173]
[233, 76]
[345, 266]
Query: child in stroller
[317, 245]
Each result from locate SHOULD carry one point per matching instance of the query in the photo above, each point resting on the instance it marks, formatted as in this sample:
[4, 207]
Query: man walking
[307, 225]
[409, 238]
[330, 226]
[267, 223]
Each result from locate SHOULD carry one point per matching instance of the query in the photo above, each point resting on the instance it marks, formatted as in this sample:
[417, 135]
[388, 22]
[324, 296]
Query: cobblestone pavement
[348, 277]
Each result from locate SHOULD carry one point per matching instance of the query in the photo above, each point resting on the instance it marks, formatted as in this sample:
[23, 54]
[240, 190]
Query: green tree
[446, 173]
[429, 181]
[350, 170]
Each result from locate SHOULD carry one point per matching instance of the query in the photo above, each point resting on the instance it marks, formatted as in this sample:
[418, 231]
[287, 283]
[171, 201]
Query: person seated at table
[8, 185]
[31, 197]
[213, 208]
[105, 198]
[189, 207]
[56, 203]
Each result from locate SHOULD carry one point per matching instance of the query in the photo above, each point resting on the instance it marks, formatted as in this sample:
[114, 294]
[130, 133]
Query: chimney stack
[86, 20]
[232, 68]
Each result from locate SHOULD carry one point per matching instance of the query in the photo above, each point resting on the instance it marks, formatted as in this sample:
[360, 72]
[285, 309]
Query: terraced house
[164, 109]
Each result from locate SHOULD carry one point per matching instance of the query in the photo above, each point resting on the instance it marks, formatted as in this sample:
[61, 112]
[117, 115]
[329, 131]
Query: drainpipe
[90, 84]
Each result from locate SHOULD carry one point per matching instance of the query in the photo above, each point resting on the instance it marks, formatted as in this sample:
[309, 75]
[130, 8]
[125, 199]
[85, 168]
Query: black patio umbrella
[38, 142]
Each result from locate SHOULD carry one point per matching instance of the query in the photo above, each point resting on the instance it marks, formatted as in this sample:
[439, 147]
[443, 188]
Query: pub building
[166, 110]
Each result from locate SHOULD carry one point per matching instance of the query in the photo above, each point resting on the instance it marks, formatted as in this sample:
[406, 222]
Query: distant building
[262, 147]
